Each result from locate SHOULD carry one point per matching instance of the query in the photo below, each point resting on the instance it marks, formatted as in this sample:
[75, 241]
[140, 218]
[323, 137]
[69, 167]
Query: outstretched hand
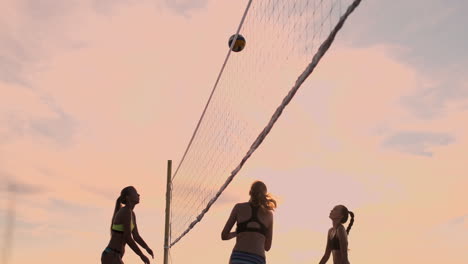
[145, 259]
[150, 252]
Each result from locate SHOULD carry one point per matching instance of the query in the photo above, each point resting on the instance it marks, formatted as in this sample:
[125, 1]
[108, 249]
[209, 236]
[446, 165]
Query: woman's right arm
[326, 256]
[226, 234]
[127, 214]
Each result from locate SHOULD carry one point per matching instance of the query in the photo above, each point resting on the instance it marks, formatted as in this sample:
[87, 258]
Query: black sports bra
[242, 227]
[335, 243]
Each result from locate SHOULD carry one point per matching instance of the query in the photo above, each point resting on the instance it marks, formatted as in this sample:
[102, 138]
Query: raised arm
[326, 256]
[226, 234]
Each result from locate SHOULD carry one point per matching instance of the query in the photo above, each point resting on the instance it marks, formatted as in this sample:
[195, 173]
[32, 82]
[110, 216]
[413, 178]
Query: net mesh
[285, 41]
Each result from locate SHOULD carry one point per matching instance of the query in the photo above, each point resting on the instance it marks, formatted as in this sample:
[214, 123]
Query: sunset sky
[96, 95]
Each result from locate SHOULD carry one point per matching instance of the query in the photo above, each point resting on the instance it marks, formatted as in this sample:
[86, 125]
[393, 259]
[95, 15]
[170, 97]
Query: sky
[98, 95]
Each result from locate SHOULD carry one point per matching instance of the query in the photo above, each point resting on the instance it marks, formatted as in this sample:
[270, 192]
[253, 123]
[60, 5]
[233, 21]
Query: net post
[168, 211]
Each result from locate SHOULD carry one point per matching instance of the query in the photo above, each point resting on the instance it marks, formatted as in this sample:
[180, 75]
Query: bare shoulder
[125, 211]
[241, 205]
[121, 211]
[122, 215]
[341, 231]
[236, 207]
[269, 213]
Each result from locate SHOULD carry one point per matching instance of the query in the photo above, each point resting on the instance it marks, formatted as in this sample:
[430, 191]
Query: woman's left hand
[150, 252]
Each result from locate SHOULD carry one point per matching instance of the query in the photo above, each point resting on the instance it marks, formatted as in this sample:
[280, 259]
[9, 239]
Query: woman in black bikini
[254, 227]
[123, 226]
[337, 238]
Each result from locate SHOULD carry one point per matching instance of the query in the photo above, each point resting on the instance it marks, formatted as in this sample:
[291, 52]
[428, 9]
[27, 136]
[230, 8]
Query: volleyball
[240, 43]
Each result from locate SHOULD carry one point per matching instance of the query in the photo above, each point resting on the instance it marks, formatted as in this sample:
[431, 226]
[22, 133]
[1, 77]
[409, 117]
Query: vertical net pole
[168, 211]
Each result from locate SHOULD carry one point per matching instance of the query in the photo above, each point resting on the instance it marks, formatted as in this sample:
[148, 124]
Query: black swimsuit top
[242, 227]
[334, 242]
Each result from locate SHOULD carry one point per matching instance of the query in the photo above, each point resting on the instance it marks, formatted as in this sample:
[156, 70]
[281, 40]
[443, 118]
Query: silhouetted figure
[337, 238]
[123, 226]
[254, 230]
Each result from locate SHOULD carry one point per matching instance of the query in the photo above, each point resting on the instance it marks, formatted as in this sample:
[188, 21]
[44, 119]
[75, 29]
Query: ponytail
[121, 200]
[263, 200]
[351, 222]
[345, 213]
[118, 205]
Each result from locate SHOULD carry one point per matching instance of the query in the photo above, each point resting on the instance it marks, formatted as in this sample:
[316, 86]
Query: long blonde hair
[259, 196]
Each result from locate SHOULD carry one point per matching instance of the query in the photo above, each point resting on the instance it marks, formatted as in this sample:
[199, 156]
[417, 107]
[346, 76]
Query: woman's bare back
[253, 242]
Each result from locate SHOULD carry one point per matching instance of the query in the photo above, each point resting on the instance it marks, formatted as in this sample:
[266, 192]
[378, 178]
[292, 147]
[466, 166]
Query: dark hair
[260, 197]
[345, 218]
[122, 199]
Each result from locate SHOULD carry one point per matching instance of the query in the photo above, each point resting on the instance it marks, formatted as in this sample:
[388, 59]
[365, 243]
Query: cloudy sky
[98, 95]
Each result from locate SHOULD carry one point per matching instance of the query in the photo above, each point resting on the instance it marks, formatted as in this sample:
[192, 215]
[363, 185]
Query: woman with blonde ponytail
[254, 230]
[124, 229]
[337, 238]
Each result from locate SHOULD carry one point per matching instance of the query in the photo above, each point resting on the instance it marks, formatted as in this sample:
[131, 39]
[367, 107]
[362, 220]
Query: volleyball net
[285, 41]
